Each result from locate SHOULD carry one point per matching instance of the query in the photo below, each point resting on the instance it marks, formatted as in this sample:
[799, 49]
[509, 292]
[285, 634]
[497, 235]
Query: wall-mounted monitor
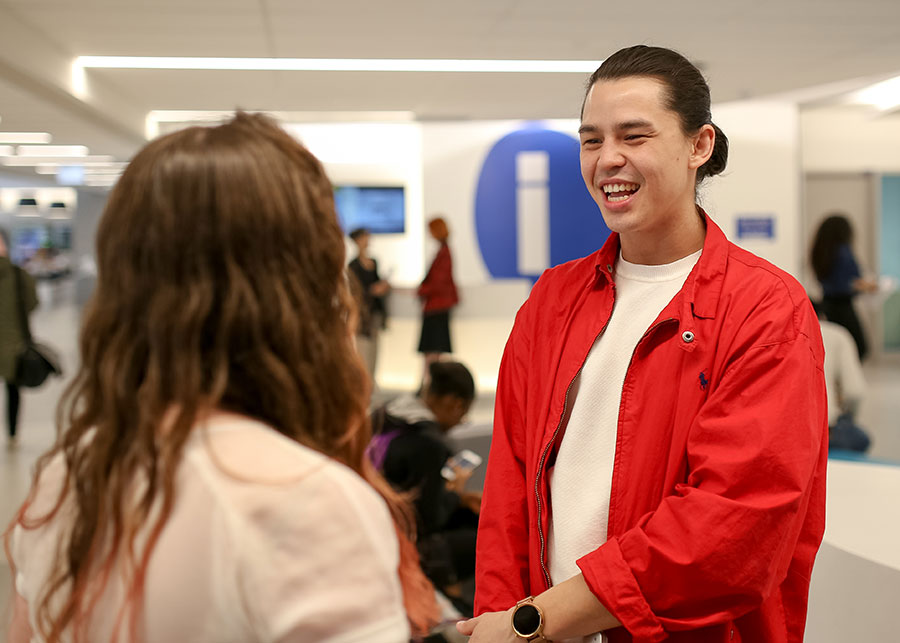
[380, 209]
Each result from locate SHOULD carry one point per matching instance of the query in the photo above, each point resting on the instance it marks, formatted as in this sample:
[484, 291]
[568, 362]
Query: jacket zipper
[646, 334]
[537, 479]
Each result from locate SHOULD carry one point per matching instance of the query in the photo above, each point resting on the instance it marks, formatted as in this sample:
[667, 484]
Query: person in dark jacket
[371, 293]
[838, 273]
[12, 336]
[410, 449]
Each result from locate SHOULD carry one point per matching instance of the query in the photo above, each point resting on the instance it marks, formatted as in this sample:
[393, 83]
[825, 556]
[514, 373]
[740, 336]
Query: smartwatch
[528, 620]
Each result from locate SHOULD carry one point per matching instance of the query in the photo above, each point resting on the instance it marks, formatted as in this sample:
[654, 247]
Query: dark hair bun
[719, 159]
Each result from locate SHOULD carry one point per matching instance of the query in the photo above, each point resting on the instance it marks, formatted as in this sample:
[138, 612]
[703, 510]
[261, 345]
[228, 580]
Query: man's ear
[702, 145]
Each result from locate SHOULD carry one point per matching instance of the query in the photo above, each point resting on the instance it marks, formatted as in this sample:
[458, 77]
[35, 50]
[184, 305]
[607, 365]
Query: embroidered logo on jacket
[703, 381]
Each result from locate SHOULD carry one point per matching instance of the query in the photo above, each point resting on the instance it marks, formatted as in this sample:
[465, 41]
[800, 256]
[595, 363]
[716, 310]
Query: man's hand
[570, 611]
[490, 627]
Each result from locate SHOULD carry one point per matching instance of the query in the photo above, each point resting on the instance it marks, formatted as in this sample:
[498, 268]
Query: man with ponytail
[657, 468]
[209, 483]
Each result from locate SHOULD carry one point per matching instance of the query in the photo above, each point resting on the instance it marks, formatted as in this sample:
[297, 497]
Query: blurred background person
[838, 272]
[439, 296]
[18, 298]
[845, 384]
[372, 293]
[209, 481]
[410, 448]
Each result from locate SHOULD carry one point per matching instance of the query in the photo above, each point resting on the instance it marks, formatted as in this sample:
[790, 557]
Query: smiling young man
[660, 438]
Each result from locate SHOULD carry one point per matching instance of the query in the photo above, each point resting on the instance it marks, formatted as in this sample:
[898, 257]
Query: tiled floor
[479, 343]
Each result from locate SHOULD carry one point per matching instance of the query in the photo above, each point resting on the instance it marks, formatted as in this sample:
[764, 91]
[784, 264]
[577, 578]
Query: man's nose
[610, 157]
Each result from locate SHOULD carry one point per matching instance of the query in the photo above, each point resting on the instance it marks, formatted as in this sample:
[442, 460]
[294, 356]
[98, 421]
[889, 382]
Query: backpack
[385, 427]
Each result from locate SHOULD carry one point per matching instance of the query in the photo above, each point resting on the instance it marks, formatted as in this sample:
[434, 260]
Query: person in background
[846, 386]
[209, 482]
[838, 273]
[439, 296]
[372, 293]
[12, 336]
[659, 449]
[410, 448]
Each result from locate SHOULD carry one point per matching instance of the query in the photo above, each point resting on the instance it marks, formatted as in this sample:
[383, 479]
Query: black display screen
[381, 210]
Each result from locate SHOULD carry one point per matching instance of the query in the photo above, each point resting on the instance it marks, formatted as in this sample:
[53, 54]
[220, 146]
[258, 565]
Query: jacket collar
[702, 288]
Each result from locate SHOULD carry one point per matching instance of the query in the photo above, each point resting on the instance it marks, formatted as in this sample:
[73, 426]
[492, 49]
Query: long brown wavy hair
[221, 286]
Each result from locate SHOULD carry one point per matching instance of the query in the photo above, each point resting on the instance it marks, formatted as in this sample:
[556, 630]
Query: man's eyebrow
[635, 124]
[625, 125]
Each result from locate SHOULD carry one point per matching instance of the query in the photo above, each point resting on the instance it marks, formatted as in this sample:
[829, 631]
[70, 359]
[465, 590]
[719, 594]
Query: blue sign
[756, 227]
[532, 209]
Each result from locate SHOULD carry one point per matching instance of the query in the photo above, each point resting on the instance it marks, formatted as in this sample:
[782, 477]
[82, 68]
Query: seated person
[845, 386]
[410, 449]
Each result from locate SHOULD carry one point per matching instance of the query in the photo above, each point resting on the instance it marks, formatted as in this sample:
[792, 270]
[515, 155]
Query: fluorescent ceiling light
[34, 161]
[101, 166]
[884, 95]
[102, 175]
[158, 117]
[338, 64]
[19, 138]
[189, 115]
[97, 171]
[66, 151]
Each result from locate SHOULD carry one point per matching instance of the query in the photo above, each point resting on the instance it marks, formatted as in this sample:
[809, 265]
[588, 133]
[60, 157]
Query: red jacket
[717, 505]
[437, 290]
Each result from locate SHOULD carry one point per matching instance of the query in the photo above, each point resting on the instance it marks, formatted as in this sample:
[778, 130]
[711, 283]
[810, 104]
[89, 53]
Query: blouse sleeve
[320, 563]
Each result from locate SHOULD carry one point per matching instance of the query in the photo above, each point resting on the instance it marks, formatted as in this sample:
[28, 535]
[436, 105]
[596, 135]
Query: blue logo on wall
[532, 209]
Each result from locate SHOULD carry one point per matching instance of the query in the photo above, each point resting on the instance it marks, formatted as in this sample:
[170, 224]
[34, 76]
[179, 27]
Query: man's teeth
[611, 189]
[620, 187]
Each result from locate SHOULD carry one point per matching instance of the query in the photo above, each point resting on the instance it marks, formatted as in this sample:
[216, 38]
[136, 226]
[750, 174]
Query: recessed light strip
[884, 96]
[66, 151]
[20, 138]
[34, 161]
[339, 64]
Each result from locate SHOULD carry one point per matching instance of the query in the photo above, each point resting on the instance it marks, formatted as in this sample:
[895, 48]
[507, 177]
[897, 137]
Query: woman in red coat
[438, 294]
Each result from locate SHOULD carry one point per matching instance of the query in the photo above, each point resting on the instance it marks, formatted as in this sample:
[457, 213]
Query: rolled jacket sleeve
[502, 547]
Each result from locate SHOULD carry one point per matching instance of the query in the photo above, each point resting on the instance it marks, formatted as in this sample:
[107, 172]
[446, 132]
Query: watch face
[526, 620]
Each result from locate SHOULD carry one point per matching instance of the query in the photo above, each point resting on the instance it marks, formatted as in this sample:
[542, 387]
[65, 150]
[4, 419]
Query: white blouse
[268, 541]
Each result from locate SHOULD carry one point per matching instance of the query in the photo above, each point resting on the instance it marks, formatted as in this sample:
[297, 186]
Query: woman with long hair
[209, 478]
[838, 273]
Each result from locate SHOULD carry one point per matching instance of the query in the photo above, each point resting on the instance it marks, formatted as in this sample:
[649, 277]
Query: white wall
[849, 139]
[453, 155]
[377, 154]
[762, 177]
